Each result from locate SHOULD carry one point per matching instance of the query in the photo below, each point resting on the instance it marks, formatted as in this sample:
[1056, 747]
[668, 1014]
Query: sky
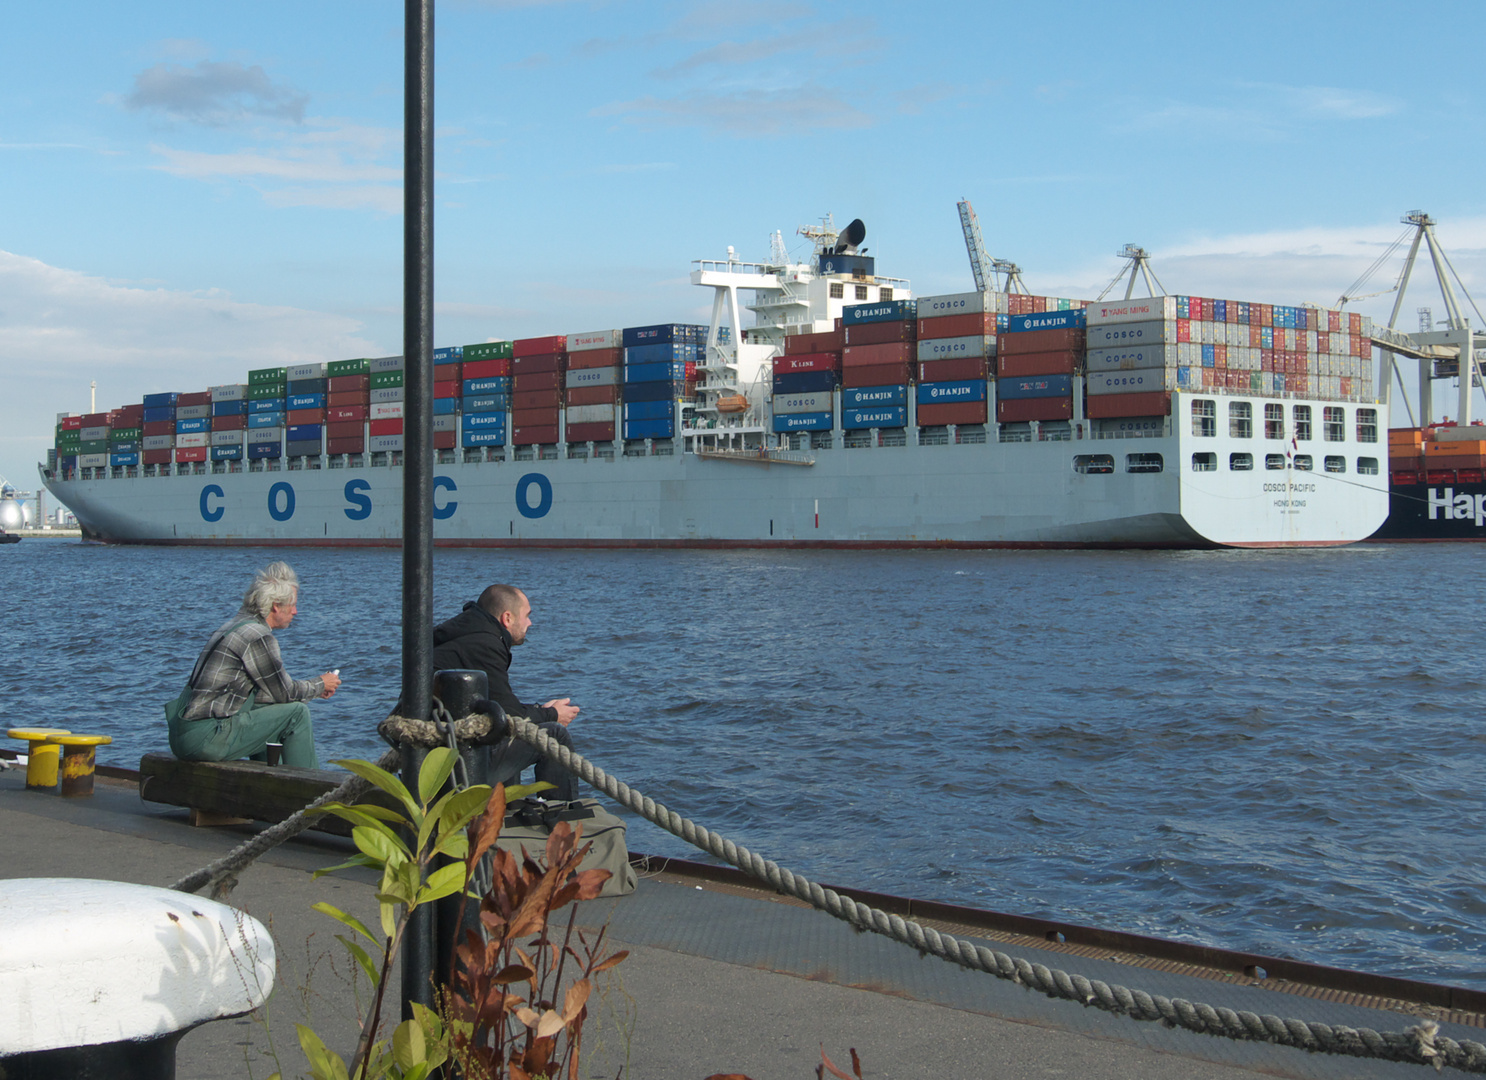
[192, 190]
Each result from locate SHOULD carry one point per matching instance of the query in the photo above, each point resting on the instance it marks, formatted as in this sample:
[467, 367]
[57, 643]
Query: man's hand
[565, 711]
[332, 681]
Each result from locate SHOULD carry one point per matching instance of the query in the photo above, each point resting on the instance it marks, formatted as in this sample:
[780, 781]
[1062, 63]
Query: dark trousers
[509, 757]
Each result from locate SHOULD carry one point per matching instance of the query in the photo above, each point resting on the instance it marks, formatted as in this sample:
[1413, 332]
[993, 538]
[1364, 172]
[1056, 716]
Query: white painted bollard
[101, 978]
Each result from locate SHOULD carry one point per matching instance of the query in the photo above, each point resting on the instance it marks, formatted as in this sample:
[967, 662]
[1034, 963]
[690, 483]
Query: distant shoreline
[48, 534]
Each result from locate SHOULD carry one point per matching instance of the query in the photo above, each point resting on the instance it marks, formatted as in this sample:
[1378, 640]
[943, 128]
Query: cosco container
[92, 461]
[804, 382]
[595, 339]
[226, 438]
[1127, 382]
[391, 393]
[384, 364]
[882, 311]
[859, 397]
[590, 414]
[890, 416]
[158, 442]
[1034, 386]
[1149, 309]
[816, 421]
[260, 435]
[938, 393]
[819, 401]
[297, 372]
[949, 348]
[1131, 358]
[1114, 335]
[89, 434]
[602, 376]
[193, 412]
[382, 444]
[232, 392]
[970, 303]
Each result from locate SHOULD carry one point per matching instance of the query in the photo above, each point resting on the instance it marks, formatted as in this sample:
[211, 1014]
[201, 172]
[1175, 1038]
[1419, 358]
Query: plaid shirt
[244, 663]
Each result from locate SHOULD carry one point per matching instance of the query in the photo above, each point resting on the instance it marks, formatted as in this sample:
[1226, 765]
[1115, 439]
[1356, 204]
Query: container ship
[848, 413]
[1437, 483]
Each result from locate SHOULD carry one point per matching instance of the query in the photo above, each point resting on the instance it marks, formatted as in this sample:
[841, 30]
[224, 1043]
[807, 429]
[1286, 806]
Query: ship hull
[1423, 513]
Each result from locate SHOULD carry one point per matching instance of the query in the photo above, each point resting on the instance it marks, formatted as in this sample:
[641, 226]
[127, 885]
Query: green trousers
[246, 733]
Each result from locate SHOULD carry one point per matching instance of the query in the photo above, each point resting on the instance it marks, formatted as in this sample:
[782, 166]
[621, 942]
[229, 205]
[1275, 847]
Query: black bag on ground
[529, 822]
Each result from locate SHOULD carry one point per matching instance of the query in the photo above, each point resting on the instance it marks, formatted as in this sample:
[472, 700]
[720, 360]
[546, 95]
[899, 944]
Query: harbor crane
[1137, 261]
[982, 264]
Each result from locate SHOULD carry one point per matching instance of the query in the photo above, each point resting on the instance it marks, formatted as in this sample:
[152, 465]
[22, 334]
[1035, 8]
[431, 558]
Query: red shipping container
[486, 369]
[593, 432]
[1041, 341]
[1042, 363]
[973, 324]
[882, 375]
[341, 429]
[346, 412]
[880, 333]
[821, 361]
[92, 419]
[229, 423]
[592, 395]
[190, 453]
[828, 341]
[899, 352]
[445, 440]
[131, 415]
[543, 417]
[955, 370]
[532, 436]
[1104, 406]
[1046, 408]
[952, 412]
[342, 383]
[200, 397]
[158, 427]
[446, 389]
[347, 397]
[538, 380]
[443, 373]
[306, 416]
[155, 457]
[384, 427]
[535, 346]
[537, 399]
[595, 358]
[526, 365]
[350, 444]
[75, 423]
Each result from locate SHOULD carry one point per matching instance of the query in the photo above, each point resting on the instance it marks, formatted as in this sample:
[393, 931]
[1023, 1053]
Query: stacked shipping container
[805, 380]
[592, 385]
[881, 342]
[538, 366]
[1036, 360]
[659, 362]
[486, 390]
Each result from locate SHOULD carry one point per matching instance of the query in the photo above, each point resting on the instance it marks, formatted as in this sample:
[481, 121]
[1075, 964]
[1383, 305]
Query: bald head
[508, 606]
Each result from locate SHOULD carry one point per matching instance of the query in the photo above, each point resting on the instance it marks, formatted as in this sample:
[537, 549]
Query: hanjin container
[861, 397]
[878, 416]
[817, 421]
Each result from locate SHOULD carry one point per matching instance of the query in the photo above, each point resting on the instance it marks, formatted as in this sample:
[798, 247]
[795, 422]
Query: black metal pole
[417, 491]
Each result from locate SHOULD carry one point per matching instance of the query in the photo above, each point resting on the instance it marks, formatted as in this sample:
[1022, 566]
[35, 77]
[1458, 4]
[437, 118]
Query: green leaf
[325, 1064]
[456, 845]
[384, 780]
[367, 964]
[462, 806]
[366, 814]
[354, 860]
[434, 771]
[408, 1047]
[444, 881]
[389, 914]
[379, 844]
[521, 791]
[349, 920]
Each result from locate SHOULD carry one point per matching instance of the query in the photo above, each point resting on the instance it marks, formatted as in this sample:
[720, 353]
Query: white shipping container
[1131, 358]
[951, 348]
[385, 394]
[1189, 354]
[1143, 381]
[596, 339]
[386, 410]
[91, 434]
[1120, 335]
[384, 363]
[596, 376]
[306, 371]
[226, 438]
[92, 461]
[193, 412]
[969, 303]
[1147, 309]
[816, 402]
[446, 423]
[378, 444]
[235, 392]
[1238, 335]
[590, 414]
[266, 435]
[193, 438]
[157, 442]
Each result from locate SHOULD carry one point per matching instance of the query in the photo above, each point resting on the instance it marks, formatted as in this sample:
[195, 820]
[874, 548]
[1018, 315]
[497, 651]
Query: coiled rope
[1420, 1045]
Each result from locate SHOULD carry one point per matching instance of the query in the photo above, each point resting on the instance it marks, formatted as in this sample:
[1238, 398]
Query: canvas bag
[528, 824]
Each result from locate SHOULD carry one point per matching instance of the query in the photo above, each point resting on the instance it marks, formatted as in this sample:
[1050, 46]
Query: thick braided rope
[222, 874]
[1418, 1045]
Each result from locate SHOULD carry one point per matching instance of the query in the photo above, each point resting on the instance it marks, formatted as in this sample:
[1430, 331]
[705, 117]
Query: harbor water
[1278, 752]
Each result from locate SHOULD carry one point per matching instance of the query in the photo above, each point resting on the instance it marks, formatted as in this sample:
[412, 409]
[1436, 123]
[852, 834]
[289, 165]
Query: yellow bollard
[78, 752]
[42, 756]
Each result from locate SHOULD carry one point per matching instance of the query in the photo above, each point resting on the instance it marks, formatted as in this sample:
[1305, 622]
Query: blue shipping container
[663, 354]
[495, 384]
[648, 410]
[668, 372]
[805, 382]
[305, 432]
[449, 355]
[649, 429]
[265, 450]
[889, 416]
[265, 419]
[156, 401]
[1034, 386]
[809, 421]
[662, 334]
[936, 393]
[858, 397]
[229, 408]
[477, 421]
[483, 437]
[273, 404]
[1220, 311]
[1045, 320]
[227, 453]
[882, 311]
[129, 458]
[155, 414]
[123, 446]
[306, 401]
[653, 391]
[1209, 356]
[445, 406]
[306, 386]
[186, 427]
[489, 403]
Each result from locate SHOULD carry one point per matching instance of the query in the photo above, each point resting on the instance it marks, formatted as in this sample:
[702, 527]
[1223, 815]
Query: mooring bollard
[79, 756]
[102, 979]
[458, 690]
[42, 756]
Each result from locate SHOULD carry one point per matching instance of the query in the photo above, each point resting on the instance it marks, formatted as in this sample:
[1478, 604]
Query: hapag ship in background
[849, 414]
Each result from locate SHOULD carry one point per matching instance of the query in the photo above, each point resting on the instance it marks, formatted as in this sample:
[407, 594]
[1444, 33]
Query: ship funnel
[851, 236]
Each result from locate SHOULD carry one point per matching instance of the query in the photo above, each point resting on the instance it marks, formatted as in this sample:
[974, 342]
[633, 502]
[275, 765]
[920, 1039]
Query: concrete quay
[721, 978]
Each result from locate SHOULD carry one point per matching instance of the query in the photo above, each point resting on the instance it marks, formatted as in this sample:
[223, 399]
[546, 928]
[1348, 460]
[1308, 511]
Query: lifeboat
[732, 403]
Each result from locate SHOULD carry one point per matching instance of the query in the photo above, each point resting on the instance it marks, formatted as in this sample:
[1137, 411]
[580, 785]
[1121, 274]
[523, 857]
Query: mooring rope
[1419, 1045]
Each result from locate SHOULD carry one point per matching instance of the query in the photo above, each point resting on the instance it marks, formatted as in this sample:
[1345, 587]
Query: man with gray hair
[239, 697]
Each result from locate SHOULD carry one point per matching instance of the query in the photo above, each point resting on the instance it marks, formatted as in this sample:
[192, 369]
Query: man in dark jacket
[480, 638]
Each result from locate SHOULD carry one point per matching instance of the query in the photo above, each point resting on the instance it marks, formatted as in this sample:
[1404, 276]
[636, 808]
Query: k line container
[818, 421]
[952, 412]
[590, 432]
[1150, 309]
[864, 397]
[1156, 403]
[789, 365]
[347, 412]
[183, 454]
[819, 401]
[939, 393]
[880, 416]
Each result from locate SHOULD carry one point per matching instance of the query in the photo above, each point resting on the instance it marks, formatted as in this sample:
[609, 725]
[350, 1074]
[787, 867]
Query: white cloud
[215, 93]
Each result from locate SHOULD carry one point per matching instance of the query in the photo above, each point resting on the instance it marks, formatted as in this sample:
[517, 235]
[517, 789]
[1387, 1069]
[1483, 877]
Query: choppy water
[1279, 752]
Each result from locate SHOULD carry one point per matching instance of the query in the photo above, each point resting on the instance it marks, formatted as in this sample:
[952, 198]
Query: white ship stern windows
[1205, 462]
[1093, 463]
[1274, 421]
[1367, 429]
[884, 293]
[861, 291]
[1303, 423]
[1144, 463]
[838, 291]
[1204, 417]
[1274, 462]
[1333, 424]
[1335, 463]
[1367, 466]
[1303, 463]
[1240, 462]
[1240, 420]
